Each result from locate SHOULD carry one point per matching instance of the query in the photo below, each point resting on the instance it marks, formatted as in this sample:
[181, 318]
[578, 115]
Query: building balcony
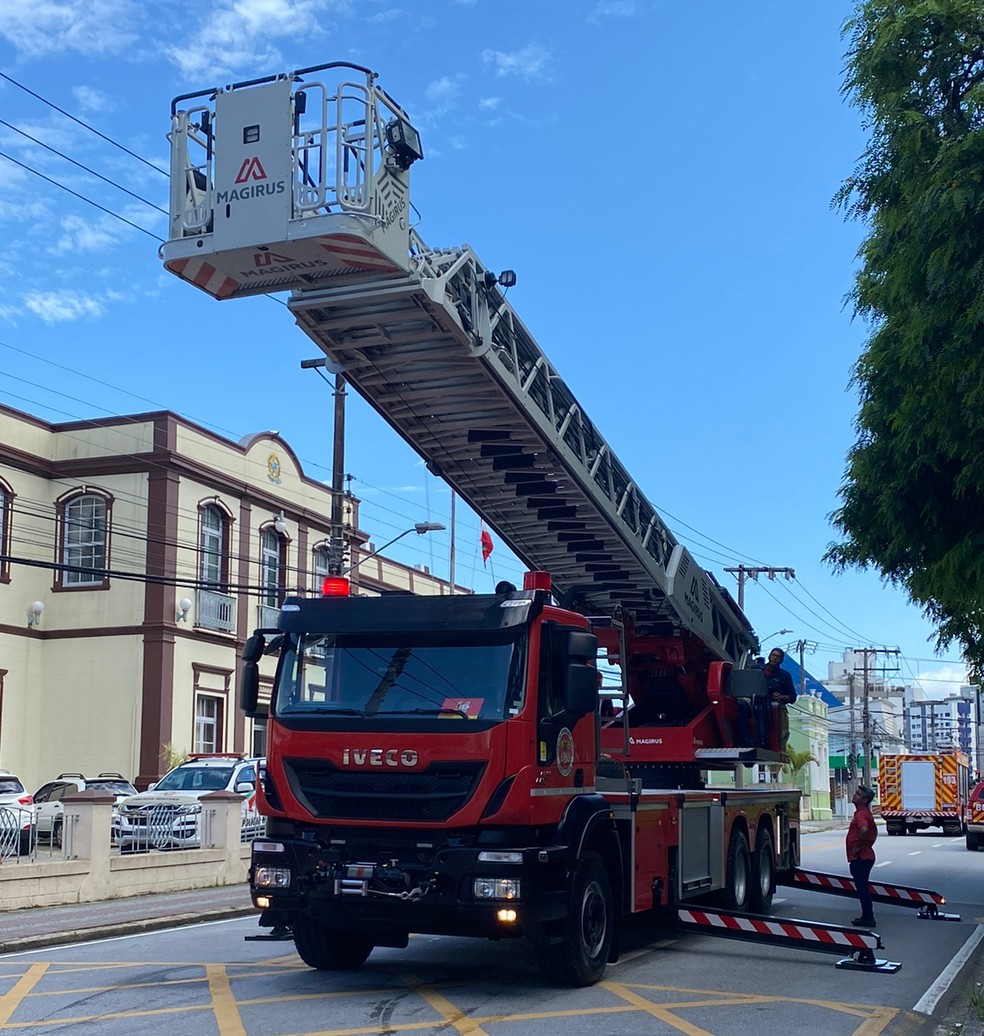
[216, 611]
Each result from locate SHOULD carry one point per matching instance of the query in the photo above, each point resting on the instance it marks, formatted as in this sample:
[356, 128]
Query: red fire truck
[450, 764]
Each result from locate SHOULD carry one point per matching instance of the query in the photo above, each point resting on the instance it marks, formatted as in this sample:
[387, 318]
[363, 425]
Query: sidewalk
[51, 926]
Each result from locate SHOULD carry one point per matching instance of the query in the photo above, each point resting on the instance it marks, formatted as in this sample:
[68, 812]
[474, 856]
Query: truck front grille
[434, 794]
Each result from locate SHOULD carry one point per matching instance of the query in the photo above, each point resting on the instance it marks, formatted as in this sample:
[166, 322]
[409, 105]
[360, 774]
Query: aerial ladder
[293, 182]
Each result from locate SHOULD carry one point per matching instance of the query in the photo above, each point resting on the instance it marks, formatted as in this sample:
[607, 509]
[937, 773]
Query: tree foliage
[912, 502]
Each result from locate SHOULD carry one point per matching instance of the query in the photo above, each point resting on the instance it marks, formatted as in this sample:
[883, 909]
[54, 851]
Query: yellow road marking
[12, 999]
[224, 1005]
[448, 1012]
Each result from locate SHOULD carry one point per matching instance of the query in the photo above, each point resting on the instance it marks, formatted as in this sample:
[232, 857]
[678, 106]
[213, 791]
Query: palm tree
[797, 762]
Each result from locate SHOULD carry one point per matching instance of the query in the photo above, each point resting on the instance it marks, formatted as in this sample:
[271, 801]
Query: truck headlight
[496, 888]
[271, 877]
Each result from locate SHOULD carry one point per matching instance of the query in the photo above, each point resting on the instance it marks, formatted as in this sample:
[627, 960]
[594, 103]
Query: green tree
[912, 502]
[797, 760]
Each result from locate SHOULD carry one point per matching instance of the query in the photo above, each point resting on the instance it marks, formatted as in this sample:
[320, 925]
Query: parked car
[49, 807]
[17, 818]
[974, 818]
[168, 815]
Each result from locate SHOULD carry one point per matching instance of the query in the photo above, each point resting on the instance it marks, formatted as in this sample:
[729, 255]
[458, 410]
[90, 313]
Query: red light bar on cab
[335, 586]
[536, 580]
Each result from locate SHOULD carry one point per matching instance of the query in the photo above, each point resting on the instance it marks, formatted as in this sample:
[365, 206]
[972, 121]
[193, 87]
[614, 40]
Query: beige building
[136, 555]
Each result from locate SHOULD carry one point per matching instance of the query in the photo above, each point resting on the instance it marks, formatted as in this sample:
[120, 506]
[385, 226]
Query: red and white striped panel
[203, 275]
[813, 879]
[798, 931]
[357, 253]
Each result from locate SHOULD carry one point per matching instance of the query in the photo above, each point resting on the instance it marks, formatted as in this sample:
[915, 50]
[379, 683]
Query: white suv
[17, 817]
[168, 815]
[48, 799]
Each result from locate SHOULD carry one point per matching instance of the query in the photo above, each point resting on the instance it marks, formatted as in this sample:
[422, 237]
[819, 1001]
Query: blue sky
[658, 174]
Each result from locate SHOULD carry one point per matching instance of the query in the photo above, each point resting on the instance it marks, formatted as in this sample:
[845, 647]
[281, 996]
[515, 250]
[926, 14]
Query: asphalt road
[207, 979]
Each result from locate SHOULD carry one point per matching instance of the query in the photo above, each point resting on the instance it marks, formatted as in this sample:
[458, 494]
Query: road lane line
[11, 1000]
[227, 1016]
[928, 1001]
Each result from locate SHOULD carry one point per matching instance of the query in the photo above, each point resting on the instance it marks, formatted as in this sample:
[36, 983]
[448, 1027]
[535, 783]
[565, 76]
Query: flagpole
[451, 574]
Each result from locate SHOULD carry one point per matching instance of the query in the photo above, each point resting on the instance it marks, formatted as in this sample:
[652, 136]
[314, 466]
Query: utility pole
[865, 706]
[336, 543]
[853, 783]
[866, 725]
[744, 571]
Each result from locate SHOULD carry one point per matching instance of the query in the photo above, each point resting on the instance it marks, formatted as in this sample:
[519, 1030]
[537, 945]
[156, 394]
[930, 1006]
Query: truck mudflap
[859, 944]
[926, 901]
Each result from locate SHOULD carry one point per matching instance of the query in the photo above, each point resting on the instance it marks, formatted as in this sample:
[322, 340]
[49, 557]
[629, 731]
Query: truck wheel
[973, 841]
[893, 828]
[329, 949]
[574, 951]
[739, 871]
[763, 875]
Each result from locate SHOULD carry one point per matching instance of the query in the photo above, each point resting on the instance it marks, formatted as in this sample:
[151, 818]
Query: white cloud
[528, 63]
[92, 100]
[40, 27]
[85, 235]
[57, 307]
[489, 102]
[240, 35]
[389, 15]
[611, 9]
[942, 681]
[442, 94]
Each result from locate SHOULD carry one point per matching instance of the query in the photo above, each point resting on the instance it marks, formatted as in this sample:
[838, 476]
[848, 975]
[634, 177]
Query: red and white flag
[487, 545]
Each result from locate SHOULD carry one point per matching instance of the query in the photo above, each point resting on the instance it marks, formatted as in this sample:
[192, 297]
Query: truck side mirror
[249, 687]
[582, 689]
[253, 648]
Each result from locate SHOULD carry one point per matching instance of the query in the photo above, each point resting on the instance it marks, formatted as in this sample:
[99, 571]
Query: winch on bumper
[494, 892]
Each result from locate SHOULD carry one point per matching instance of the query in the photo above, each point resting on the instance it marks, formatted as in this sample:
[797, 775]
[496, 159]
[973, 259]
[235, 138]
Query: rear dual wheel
[763, 874]
[738, 883]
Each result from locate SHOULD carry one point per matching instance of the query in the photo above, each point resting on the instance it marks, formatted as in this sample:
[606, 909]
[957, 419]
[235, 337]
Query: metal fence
[159, 827]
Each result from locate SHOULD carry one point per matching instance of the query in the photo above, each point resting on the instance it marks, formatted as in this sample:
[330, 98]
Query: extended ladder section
[442, 356]
[289, 183]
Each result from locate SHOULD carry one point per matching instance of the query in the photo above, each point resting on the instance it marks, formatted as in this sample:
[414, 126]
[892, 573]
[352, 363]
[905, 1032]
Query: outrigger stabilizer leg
[926, 901]
[786, 931]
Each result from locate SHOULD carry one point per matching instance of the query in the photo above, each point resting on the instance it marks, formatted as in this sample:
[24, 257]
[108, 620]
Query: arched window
[322, 558]
[6, 510]
[271, 568]
[213, 563]
[84, 540]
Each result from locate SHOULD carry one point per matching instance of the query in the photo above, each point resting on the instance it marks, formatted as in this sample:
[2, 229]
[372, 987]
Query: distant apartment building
[137, 553]
[866, 684]
[944, 724]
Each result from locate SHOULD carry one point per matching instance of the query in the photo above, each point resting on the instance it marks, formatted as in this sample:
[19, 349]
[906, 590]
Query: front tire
[973, 841]
[575, 951]
[763, 875]
[737, 882]
[329, 949]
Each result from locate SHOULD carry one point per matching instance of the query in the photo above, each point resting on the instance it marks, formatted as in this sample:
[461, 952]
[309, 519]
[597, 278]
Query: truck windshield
[456, 677]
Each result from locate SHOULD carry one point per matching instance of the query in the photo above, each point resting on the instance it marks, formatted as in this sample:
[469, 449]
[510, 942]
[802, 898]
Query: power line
[84, 125]
[92, 172]
[81, 197]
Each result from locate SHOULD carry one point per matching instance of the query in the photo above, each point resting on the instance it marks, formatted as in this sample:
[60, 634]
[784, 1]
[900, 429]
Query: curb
[145, 924]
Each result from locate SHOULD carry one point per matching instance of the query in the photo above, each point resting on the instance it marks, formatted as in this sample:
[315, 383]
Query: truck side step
[926, 901]
[785, 931]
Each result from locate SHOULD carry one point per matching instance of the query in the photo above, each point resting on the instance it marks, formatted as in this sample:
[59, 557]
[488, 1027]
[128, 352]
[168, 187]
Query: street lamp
[778, 633]
[420, 528]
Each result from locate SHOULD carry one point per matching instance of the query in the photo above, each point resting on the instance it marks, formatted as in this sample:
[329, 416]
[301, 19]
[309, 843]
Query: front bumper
[431, 893]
